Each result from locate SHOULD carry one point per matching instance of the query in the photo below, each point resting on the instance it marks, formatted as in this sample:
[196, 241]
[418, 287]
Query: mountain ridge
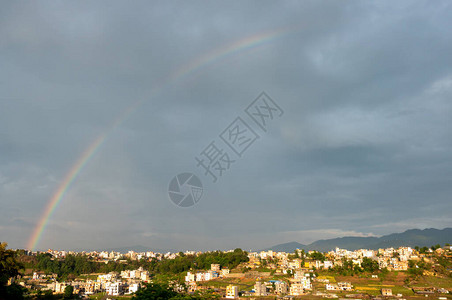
[410, 238]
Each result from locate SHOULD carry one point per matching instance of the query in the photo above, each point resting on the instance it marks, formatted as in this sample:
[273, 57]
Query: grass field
[244, 284]
[393, 280]
[102, 295]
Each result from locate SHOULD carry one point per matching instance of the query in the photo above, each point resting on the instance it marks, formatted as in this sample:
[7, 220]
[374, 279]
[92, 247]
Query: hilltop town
[391, 273]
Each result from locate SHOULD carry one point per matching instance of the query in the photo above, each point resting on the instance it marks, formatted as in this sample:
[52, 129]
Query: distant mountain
[413, 237]
[286, 247]
[349, 243]
[417, 237]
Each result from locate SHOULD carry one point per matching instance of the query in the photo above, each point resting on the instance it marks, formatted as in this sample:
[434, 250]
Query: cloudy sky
[363, 148]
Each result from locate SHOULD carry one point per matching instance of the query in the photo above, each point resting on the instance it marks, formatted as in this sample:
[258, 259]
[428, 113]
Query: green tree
[13, 292]
[68, 292]
[154, 291]
[415, 268]
[369, 265]
[317, 256]
[423, 250]
[9, 268]
[46, 295]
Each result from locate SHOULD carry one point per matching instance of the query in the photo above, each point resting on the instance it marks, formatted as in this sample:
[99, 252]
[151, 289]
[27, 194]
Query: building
[386, 292]
[345, 286]
[295, 264]
[327, 264]
[200, 276]
[281, 287]
[135, 274]
[232, 292]
[318, 264]
[192, 287]
[60, 287]
[90, 287]
[215, 267]
[134, 287]
[298, 274]
[340, 286]
[296, 289]
[145, 276]
[305, 282]
[260, 289]
[114, 288]
[190, 277]
[107, 277]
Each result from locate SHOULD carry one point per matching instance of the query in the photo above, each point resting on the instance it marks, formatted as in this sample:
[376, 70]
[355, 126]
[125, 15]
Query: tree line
[74, 265]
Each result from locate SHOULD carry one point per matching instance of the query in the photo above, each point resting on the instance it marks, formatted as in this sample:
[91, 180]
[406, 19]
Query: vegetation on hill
[162, 291]
[74, 265]
[9, 268]
[348, 268]
[203, 261]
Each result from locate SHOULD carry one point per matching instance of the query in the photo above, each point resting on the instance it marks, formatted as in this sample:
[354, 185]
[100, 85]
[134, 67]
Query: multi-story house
[296, 289]
[281, 287]
[232, 292]
[114, 288]
[260, 289]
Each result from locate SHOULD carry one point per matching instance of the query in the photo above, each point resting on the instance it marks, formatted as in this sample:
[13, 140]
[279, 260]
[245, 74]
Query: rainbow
[72, 175]
[193, 66]
[223, 52]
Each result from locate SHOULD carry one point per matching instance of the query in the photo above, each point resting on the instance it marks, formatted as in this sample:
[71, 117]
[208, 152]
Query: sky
[362, 146]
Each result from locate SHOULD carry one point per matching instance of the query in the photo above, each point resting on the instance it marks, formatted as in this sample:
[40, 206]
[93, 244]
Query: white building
[114, 288]
[340, 286]
[200, 277]
[327, 264]
[134, 287]
[60, 287]
[145, 276]
[190, 277]
[135, 274]
[260, 289]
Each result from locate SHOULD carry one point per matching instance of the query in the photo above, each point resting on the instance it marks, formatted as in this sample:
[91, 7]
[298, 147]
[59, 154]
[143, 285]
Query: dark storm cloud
[364, 140]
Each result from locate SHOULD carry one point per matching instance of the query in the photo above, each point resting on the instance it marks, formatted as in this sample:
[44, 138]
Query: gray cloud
[362, 148]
